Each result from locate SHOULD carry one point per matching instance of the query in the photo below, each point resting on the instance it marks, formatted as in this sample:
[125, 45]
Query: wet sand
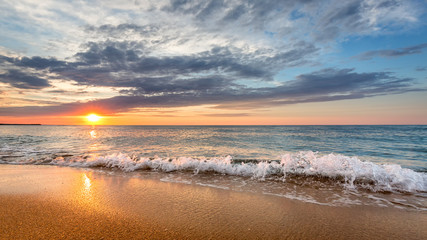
[41, 202]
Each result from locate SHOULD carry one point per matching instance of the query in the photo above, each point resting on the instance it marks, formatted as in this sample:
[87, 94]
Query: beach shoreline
[66, 203]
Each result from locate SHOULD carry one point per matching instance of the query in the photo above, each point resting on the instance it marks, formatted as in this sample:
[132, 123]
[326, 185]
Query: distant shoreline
[20, 124]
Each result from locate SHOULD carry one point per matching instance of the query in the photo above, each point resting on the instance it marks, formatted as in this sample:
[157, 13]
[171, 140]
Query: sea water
[384, 166]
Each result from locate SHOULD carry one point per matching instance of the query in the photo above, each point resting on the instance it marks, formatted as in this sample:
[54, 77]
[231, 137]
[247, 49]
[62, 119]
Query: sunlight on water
[92, 134]
[403, 145]
[365, 158]
[94, 147]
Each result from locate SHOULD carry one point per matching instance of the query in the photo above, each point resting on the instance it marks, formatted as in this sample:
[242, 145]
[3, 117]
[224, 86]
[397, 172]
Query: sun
[93, 118]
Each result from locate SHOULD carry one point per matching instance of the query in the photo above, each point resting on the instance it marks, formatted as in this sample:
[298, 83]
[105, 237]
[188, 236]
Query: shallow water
[329, 165]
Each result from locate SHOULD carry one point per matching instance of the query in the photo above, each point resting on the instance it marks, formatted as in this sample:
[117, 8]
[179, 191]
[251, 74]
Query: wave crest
[349, 171]
[387, 177]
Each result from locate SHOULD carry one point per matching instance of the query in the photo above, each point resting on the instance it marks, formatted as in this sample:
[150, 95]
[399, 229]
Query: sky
[218, 62]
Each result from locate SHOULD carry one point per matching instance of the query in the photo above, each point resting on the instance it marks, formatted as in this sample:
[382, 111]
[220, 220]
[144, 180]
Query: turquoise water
[403, 145]
[329, 165]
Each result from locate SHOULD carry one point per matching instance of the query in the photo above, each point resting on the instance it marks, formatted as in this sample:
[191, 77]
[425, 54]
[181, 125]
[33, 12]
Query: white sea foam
[349, 171]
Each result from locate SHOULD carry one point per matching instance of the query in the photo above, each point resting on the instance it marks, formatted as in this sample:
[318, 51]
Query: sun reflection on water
[95, 144]
[92, 134]
[94, 147]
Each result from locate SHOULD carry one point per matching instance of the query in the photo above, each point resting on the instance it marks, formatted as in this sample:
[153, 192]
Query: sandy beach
[40, 202]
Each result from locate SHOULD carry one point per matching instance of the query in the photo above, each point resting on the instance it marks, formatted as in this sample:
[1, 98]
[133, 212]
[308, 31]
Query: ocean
[383, 166]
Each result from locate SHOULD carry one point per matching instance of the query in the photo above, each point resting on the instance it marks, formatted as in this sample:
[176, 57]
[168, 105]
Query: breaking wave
[348, 171]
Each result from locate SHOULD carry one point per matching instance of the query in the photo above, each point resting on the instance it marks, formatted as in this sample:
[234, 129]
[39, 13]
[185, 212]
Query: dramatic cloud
[123, 56]
[125, 64]
[22, 80]
[324, 85]
[227, 54]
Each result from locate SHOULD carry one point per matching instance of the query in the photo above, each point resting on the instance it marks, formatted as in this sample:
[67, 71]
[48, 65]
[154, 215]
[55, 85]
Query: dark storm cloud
[320, 86]
[22, 80]
[393, 53]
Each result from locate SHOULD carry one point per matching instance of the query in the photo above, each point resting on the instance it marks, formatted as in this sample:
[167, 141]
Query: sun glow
[93, 118]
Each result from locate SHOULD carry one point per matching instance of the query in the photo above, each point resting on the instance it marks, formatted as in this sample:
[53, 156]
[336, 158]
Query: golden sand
[45, 202]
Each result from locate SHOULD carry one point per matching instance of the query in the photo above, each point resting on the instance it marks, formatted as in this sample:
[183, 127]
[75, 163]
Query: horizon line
[39, 124]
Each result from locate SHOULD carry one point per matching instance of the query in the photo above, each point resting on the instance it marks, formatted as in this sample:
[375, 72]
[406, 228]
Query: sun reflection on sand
[87, 183]
[86, 190]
